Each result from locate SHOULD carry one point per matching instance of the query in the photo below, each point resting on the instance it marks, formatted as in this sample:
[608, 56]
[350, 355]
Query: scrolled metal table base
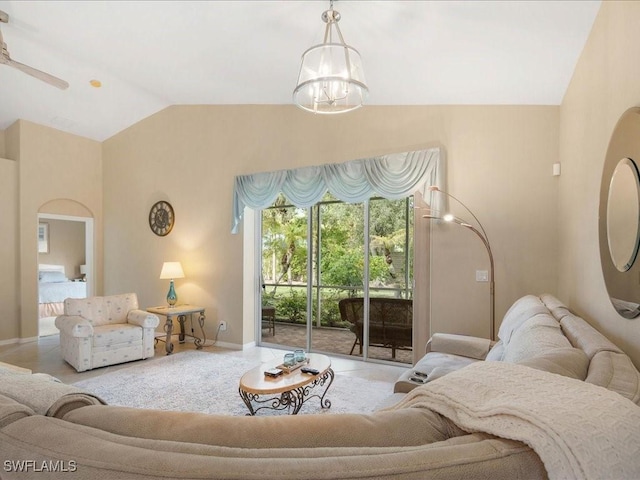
[200, 342]
[292, 399]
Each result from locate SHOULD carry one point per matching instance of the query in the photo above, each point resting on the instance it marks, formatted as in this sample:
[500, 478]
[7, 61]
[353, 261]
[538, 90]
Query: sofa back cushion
[585, 337]
[566, 361]
[616, 372]
[12, 410]
[523, 309]
[555, 306]
[496, 353]
[102, 310]
[537, 335]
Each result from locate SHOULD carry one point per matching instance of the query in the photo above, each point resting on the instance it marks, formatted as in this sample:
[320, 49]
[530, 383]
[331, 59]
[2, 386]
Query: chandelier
[331, 78]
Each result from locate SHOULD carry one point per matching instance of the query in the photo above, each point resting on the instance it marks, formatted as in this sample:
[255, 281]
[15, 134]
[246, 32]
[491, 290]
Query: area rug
[208, 382]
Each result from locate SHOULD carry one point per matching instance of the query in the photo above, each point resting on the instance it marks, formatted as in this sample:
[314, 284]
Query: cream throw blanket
[579, 430]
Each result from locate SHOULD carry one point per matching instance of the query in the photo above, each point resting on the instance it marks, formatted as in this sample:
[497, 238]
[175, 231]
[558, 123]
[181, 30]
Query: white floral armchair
[100, 331]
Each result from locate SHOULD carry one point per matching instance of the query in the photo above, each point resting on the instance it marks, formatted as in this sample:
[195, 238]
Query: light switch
[482, 276]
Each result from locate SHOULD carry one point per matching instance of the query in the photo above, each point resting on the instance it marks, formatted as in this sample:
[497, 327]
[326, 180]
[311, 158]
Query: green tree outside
[341, 254]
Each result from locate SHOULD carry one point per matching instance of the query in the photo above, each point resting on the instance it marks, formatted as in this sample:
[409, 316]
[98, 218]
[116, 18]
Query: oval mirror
[623, 214]
[619, 215]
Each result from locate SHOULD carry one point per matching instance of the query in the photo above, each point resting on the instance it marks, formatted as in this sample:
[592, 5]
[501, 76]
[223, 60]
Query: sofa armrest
[143, 319]
[462, 345]
[44, 394]
[74, 326]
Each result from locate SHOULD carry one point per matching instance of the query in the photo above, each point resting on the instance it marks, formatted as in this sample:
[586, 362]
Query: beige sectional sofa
[48, 429]
[539, 332]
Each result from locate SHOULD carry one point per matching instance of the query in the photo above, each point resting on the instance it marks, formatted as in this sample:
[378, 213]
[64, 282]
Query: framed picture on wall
[43, 238]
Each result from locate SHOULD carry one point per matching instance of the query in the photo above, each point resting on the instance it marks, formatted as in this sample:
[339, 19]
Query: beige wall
[51, 165]
[499, 163]
[543, 229]
[9, 244]
[2, 149]
[604, 85]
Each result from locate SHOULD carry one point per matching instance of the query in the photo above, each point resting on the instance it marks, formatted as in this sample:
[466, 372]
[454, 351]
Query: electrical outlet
[223, 326]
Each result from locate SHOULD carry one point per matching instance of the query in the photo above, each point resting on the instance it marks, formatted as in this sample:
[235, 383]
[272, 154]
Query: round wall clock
[161, 218]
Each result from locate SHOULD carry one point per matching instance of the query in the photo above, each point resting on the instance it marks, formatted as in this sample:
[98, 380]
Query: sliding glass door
[284, 275]
[390, 282]
[338, 278]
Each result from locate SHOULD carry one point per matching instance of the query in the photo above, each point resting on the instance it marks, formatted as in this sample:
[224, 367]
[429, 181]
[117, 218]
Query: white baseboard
[11, 341]
[209, 343]
[231, 346]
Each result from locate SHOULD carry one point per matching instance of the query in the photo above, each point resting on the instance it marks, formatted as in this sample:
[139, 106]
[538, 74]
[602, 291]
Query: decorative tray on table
[291, 368]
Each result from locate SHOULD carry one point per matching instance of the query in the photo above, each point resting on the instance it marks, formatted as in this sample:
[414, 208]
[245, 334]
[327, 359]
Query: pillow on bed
[53, 277]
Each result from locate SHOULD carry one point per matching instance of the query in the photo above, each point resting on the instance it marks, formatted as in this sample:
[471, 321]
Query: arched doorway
[65, 258]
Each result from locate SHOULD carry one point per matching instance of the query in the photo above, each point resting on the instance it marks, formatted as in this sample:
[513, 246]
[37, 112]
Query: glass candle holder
[300, 355]
[289, 359]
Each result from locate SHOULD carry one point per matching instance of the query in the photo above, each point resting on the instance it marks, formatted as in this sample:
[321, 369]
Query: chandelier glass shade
[331, 78]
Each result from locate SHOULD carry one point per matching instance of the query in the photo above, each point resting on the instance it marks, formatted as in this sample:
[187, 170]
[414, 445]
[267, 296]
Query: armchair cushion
[74, 326]
[118, 334]
[102, 310]
[143, 319]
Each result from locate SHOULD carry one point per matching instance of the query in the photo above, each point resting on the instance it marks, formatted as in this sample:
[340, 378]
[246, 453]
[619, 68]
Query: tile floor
[328, 340]
[44, 356]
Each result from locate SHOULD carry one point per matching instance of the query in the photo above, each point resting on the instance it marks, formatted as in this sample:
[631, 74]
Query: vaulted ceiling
[152, 54]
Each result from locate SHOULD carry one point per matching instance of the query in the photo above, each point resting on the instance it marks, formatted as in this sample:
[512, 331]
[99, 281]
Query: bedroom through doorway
[65, 259]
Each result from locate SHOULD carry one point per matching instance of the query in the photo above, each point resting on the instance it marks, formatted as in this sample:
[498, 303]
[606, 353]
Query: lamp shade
[171, 270]
[331, 78]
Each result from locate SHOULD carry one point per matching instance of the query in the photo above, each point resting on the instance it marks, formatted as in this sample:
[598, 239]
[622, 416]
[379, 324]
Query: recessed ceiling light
[95, 83]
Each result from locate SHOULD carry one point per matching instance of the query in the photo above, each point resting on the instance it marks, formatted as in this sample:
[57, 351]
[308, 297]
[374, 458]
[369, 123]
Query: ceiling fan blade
[34, 72]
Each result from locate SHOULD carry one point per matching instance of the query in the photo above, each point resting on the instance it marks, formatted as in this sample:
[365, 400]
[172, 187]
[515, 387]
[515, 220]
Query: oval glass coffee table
[288, 391]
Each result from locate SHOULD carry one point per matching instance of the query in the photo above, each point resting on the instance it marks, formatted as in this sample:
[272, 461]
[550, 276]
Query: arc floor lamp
[482, 235]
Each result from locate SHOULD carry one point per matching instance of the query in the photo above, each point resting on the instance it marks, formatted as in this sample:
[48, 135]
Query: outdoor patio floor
[328, 340]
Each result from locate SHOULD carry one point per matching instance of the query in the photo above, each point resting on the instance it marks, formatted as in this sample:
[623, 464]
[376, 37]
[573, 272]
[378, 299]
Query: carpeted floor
[208, 383]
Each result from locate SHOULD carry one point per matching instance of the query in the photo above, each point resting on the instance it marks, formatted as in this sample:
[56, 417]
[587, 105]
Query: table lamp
[171, 270]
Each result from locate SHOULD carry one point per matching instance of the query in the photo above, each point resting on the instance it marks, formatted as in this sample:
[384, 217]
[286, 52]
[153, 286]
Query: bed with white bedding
[54, 287]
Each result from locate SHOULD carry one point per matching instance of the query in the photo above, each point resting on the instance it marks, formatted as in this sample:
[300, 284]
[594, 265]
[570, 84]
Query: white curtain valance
[392, 176]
